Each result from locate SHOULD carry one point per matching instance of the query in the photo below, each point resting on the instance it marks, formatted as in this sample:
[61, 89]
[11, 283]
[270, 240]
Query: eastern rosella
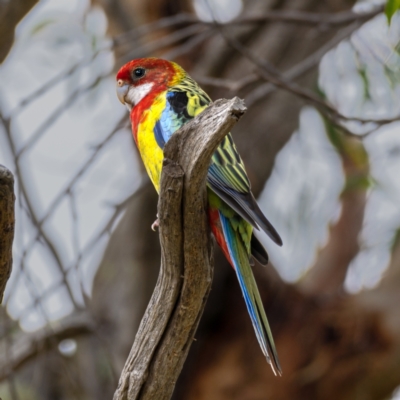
[161, 97]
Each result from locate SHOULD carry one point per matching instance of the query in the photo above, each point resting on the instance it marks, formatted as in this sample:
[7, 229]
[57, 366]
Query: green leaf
[391, 7]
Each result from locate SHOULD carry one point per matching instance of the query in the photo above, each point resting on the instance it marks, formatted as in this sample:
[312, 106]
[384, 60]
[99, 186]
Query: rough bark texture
[166, 292]
[171, 319]
[7, 222]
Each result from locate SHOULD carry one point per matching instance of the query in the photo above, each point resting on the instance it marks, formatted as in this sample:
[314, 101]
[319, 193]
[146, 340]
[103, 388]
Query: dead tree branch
[303, 67]
[326, 20]
[7, 222]
[168, 326]
[309, 18]
[270, 74]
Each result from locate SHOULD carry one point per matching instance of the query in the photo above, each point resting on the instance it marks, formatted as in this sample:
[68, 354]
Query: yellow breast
[152, 155]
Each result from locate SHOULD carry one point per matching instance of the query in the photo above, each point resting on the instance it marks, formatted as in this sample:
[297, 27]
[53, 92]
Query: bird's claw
[155, 224]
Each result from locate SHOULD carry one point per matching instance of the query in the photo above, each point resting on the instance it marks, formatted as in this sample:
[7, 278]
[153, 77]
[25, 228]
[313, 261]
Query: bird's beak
[122, 90]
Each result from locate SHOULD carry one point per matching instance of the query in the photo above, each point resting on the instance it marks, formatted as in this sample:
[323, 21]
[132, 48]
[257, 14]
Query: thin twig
[37, 224]
[232, 85]
[288, 16]
[57, 113]
[53, 81]
[166, 41]
[308, 18]
[188, 46]
[32, 212]
[303, 66]
[162, 23]
[280, 81]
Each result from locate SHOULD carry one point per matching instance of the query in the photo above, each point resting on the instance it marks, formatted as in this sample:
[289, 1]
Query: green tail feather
[240, 260]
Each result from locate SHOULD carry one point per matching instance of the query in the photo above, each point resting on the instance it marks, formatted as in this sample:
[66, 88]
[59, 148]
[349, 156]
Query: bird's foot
[155, 224]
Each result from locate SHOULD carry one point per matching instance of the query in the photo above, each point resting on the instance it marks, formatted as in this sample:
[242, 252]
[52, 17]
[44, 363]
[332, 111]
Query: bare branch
[303, 66]
[292, 73]
[53, 251]
[56, 79]
[166, 41]
[162, 23]
[309, 18]
[28, 346]
[38, 222]
[270, 74]
[295, 72]
[188, 46]
[289, 16]
[56, 114]
[168, 326]
[7, 223]
[232, 85]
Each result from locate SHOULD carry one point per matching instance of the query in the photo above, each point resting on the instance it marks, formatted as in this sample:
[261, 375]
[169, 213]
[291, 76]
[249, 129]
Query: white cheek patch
[135, 94]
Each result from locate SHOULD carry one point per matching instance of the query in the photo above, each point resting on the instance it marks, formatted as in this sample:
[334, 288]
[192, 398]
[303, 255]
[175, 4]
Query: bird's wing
[226, 176]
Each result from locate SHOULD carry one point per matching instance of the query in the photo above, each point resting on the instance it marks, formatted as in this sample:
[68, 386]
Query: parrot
[161, 97]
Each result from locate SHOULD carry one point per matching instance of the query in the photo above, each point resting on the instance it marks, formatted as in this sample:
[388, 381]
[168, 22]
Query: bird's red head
[137, 78]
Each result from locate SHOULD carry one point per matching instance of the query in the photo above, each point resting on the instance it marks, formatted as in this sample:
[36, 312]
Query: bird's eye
[138, 72]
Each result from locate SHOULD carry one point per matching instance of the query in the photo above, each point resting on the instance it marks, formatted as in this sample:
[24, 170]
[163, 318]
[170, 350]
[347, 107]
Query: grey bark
[171, 319]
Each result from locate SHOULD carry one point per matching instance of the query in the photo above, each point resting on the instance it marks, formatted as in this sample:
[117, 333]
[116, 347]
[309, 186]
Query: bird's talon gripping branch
[155, 225]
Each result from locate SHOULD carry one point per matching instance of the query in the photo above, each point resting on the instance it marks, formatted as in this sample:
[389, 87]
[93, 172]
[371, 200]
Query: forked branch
[170, 321]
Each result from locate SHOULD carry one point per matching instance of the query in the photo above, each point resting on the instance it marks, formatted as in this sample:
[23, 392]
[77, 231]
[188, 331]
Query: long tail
[240, 262]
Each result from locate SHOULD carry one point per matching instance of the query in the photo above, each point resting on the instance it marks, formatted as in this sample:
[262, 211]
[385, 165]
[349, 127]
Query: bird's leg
[155, 224]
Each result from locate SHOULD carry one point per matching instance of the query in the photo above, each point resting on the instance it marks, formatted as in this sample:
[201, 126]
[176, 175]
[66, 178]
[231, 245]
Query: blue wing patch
[170, 120]
[158, 132]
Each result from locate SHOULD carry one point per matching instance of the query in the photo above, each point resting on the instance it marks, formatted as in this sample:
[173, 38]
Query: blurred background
[321, 144]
